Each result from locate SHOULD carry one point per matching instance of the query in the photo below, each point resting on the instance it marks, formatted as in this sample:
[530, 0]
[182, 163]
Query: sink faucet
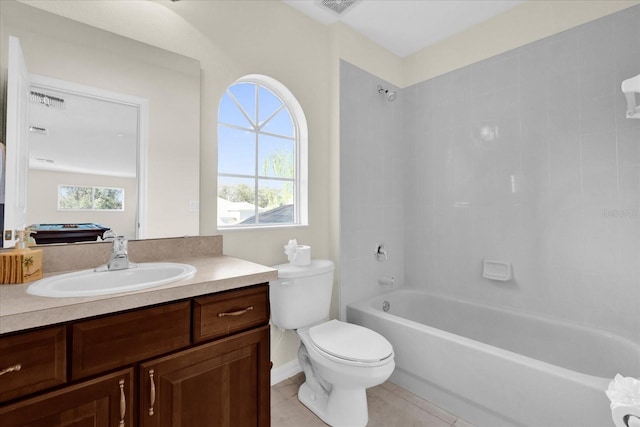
[119, 256]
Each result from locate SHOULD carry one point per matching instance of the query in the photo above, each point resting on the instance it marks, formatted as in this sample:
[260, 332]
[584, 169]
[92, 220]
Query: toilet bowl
[340, 360]
[336, 388]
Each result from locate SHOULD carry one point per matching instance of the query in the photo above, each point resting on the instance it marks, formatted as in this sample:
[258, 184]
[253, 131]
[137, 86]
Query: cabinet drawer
[118, 340]
[31, 362]
[229, 312]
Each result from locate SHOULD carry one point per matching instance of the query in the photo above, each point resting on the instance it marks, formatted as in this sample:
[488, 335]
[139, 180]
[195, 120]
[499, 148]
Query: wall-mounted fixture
[630, 88]
[390, 94]
[386, 281]
[380, 253]
[489, 133]
[38, 130]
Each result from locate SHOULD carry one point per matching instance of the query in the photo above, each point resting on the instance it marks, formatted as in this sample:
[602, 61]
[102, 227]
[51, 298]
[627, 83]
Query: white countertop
[20, 311]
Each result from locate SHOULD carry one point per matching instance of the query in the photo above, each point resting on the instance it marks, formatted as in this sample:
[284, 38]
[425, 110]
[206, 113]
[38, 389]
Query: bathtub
[495, 367]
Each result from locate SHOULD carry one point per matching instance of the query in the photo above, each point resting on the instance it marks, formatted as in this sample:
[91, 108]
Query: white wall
[235, 38]
[556, 194]
[525, 23]
[372, 205]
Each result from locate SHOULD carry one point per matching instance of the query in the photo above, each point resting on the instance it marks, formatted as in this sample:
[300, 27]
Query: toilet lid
[350, 342]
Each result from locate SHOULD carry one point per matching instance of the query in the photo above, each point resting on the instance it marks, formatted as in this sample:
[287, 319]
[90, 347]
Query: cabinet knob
[14, 368]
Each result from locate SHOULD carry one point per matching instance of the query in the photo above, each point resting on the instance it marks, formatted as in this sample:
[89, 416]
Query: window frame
[300, 141]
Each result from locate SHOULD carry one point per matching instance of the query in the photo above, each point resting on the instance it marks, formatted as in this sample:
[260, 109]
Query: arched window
[262, 155]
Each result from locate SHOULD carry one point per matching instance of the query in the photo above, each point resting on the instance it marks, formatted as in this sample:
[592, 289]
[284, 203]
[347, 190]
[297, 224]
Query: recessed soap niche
[497, 270]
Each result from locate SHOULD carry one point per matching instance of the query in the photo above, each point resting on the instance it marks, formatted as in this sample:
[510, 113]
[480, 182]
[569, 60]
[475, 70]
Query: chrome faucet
[119, 259]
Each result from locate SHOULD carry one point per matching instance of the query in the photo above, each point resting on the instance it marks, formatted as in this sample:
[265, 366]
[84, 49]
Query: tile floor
[389, 406]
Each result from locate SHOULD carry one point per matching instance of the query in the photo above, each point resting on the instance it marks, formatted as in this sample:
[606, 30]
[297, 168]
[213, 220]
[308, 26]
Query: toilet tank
[301, 296]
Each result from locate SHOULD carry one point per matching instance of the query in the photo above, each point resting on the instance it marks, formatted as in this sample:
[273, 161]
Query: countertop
[20, 311]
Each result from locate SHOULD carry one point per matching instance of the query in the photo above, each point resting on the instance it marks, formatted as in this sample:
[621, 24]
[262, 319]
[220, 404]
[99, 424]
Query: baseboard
[285, 371]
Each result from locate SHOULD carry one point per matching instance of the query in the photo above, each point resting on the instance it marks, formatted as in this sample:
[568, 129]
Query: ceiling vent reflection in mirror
[337, 6]
[47, 100]
[38, 130]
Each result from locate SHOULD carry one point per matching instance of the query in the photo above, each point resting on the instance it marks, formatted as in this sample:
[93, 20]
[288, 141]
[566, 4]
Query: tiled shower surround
[526, 158]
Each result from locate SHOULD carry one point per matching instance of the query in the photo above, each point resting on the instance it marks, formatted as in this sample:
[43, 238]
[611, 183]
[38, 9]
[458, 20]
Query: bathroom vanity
[192, 353]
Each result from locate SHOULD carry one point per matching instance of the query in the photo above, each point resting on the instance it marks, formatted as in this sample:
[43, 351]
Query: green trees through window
[90, 198]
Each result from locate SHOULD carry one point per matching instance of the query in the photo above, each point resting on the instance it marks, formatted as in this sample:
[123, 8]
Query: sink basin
[88, 283]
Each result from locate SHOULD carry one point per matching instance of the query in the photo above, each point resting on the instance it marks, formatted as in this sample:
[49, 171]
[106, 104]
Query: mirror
[86, 152]
[64, 50]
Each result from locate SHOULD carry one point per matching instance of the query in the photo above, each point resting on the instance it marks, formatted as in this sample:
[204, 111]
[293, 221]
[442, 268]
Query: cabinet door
[224, 383]
[102, 402]
[32, 361]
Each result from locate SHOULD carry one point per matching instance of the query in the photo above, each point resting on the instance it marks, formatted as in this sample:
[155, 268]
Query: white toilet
[340, 360]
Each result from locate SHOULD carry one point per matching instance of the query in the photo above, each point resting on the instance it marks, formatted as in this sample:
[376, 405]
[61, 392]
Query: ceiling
[86, 135]
[406, 26]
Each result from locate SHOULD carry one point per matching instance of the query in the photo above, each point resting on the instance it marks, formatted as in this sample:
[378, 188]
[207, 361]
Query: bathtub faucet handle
[380, 253]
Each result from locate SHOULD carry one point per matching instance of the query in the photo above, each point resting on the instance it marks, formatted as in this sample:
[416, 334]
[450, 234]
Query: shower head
[390, 94]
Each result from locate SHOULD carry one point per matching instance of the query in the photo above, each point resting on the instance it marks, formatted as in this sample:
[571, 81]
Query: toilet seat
[350, 344]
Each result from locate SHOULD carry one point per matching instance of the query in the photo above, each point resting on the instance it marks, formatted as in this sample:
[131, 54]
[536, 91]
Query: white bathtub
[496, 367]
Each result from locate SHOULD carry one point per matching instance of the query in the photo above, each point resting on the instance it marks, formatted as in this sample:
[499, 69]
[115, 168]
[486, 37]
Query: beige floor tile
[462, 423]
[426, 405]
[283, 391]
[297, 379]
[388, 385]
[389, 406]
[375, 393]
[292, 413]
[394, 411]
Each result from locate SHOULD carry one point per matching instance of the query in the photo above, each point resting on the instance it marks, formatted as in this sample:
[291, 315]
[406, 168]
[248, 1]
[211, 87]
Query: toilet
[340, 360]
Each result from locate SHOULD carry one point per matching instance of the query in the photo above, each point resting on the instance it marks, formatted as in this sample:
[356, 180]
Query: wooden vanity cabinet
[32, 361]
[118, 340]
[104, 402]
[223, 383]
[219, 315]
[201, 362]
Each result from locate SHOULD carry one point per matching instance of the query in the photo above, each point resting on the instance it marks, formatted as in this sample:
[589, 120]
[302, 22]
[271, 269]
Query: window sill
[262, 227]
